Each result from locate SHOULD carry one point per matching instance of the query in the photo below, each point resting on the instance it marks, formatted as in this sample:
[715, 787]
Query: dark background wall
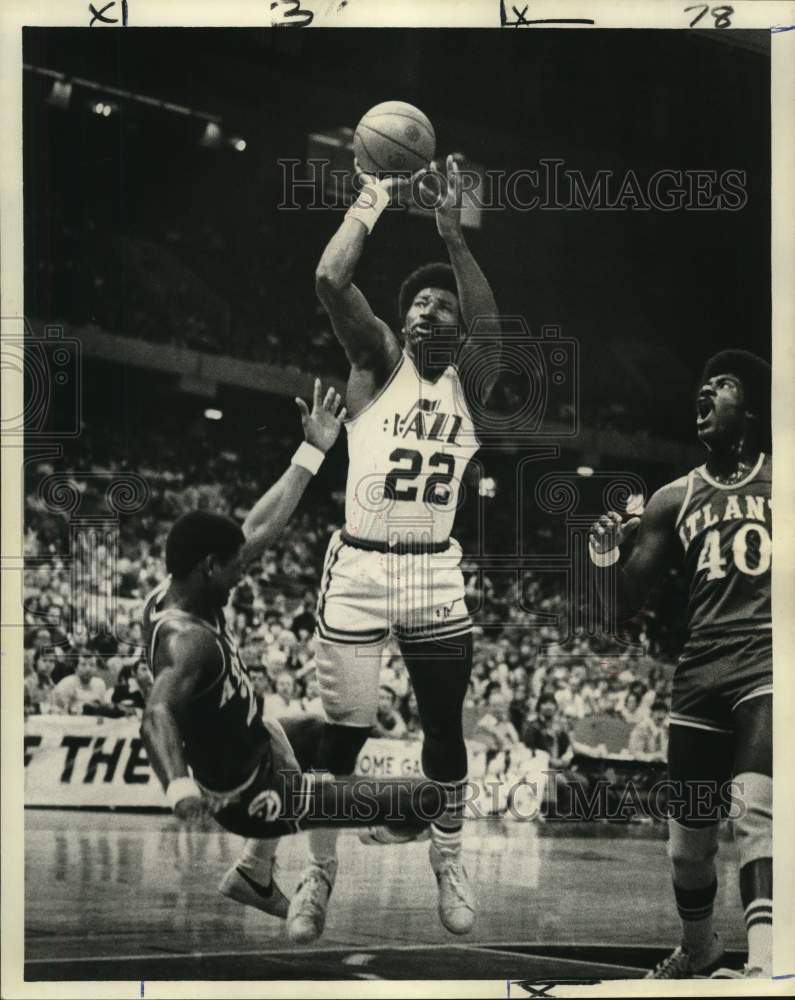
[647, 294]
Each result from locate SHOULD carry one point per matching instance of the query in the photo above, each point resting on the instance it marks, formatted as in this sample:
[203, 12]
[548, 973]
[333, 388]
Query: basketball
[393, 138]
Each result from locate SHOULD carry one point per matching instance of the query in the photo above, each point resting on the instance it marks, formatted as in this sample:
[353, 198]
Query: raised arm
[187, 660]
[269, 515]
[368, 342]
[478, 306]
[623, 588]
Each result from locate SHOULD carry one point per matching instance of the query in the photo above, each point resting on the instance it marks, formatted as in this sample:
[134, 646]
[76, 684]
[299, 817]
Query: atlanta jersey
[408, 449]
[223, 732]
[726, 531]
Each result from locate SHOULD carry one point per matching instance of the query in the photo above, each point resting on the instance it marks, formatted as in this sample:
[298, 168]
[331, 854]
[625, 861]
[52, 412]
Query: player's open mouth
[420, 330]
[704, 407]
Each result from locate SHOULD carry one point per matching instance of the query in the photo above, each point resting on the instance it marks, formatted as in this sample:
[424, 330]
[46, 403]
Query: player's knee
[692, 852]
[752, 807]
[340, 747]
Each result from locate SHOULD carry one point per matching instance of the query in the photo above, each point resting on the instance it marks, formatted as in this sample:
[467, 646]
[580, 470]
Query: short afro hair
[198, 534]
[437, 274]
[755, 374]
[543, 699]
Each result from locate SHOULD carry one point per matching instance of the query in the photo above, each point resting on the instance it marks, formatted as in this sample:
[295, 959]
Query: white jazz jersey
[407, 451]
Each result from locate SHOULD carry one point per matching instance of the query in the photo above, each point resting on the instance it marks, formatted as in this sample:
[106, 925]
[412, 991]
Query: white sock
[446, 841]
[323, 845]
[257, 859]
[759, 922]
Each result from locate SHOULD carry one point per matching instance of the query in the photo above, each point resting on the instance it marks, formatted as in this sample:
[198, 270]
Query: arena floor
[133, 897]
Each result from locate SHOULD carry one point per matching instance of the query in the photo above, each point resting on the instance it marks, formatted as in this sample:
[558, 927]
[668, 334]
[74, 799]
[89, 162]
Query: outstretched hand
[609, 532]
[448, 191]
[322, 425]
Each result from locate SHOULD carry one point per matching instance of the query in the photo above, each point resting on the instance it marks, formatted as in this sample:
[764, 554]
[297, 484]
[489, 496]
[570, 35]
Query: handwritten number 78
[722, 15]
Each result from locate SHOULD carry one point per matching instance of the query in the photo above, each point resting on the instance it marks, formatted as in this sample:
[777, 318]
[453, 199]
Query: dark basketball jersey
[222, 731]
[726, 532]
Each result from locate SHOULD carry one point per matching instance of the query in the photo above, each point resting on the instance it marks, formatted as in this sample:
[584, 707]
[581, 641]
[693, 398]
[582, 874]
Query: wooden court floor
[133, 897]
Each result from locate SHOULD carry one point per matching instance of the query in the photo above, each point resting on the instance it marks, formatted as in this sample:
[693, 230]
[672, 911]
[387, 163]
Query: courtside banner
[75, 760]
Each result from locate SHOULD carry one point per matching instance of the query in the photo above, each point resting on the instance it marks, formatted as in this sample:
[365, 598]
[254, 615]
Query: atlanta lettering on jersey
[236, 680]
[732, 508]
[424, 421]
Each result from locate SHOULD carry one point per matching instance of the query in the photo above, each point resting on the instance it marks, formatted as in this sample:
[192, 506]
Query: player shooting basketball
[721, 717]
[202, 711]
[394, 567]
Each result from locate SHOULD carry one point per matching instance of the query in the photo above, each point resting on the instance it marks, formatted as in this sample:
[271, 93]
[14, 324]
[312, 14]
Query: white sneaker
[383, 835]
[306, 916]
[680, 964]
[237, 884]
[456, 901]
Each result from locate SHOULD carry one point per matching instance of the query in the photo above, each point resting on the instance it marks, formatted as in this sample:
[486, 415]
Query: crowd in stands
[533, 687]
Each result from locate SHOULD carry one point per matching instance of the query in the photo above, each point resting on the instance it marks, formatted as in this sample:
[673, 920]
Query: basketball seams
[394, 114]
[392, 139]
[366, 150]
[386, 135]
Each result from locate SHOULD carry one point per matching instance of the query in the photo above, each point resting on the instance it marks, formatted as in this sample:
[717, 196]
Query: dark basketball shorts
[717, 674]
[279, 793]
[283, 795]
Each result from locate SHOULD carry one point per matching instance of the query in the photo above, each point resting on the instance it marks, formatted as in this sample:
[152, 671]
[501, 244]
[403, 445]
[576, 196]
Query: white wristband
[308, 457]
[603, 559]
[367, 208]
[181, 788]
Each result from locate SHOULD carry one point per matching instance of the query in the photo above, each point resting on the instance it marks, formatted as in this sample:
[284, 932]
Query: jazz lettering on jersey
[424, 421]
[733, 508]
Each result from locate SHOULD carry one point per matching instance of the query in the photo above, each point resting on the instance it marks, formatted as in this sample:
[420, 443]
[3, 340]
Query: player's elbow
[329, 282]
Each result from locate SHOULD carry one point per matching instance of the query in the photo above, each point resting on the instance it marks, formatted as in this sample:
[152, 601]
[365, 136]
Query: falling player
[202, 711]
[394, 567]
[721, 717]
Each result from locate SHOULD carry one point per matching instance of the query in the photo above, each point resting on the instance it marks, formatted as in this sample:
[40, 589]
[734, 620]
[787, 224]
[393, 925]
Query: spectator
[632, 712]
[658, 689]
[283, 704]
[312, 703]
[517, 710]
[39, 686]
[649, 738]
[394, 675]
[546, 733]
[80, 690]
[411, 716]
[261, 685]
[41, 636]
[388, 722]
[128, 652]
[495, 724]
[304, 617]
[132, 688]
[570, 699]
[64, 667]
